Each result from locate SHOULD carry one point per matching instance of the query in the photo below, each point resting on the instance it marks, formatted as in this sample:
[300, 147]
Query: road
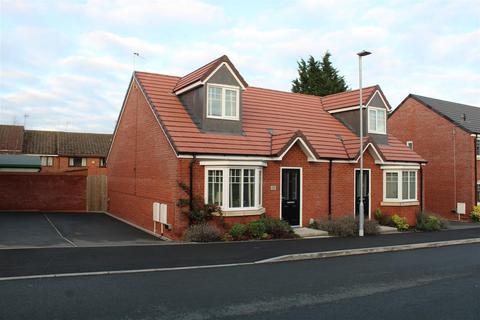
[440, 283]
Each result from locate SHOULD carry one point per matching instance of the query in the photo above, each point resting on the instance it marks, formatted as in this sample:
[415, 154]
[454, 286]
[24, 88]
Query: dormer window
[223, 102]
[377, 118]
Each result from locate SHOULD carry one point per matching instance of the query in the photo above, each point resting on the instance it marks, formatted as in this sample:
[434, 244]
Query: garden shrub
[237, 231]
[278, 229]
[378, 215]
[475, 214]
[400, 223]
[256, 229]
[429, 222]
[202, 233]
[199, 212]
[347, 227]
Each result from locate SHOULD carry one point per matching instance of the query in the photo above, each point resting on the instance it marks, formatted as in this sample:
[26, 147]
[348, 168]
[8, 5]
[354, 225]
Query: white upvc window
[410, 144]
[377, 120]
[223, 102]
[234, 188]
[77, 162]
[399, 186]
[46, 161]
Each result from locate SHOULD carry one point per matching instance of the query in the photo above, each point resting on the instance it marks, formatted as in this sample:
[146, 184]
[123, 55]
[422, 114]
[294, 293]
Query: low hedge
[429, 222]
[346, 226]
[202, 233]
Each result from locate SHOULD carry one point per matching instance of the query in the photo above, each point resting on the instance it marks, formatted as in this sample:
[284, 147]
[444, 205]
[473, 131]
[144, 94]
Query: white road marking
[293, 257]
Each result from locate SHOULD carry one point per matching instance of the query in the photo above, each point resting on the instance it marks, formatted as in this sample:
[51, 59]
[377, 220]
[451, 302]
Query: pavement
[440, 283]
[53, 230]
[48, 261]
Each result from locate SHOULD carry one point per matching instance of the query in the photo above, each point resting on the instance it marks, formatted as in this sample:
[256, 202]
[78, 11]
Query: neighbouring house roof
[202, 73]
[271, 121]
[56, 142]
[19, 161]
[462, 115]
[11, 139]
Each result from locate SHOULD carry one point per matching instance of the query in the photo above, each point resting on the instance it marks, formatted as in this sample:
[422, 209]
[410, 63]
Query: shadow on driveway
[40, 230]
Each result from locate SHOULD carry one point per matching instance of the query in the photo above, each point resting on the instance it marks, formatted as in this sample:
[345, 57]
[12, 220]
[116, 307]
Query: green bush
[237, 231]
[475, 214]
[202, 233]
[400, 223]
[276, 228]
[429, 222]
[256, 229]
[347, 227]
[378, 215]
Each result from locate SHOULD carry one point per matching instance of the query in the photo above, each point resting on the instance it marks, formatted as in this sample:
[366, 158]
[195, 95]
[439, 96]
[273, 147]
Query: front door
[366, 192]
[291, 195]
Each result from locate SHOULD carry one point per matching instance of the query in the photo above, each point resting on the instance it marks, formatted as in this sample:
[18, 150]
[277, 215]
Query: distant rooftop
[463, 115]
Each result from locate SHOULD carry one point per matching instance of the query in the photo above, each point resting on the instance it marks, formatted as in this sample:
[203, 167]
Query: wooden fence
[97, 193]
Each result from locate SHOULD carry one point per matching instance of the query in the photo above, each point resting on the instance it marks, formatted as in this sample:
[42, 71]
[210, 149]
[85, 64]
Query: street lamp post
[361, 208]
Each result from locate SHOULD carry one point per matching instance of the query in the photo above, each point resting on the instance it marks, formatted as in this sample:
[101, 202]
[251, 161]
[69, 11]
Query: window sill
[399, 203]
[478, 157]
[241, 213]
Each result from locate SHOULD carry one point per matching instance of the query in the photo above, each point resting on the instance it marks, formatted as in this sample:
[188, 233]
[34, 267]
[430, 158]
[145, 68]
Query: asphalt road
[440, 283]
[24, 262]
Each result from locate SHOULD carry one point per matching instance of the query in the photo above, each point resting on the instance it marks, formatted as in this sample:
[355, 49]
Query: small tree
[197, 210]
[318, 78]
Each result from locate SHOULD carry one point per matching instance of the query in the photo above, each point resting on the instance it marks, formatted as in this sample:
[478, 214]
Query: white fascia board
[305, 149]
[189, 87]
[230, 163]
[229, 69]
[40, 155]
[344, 109]
[381, 97]
[378, 159]
[400, 167]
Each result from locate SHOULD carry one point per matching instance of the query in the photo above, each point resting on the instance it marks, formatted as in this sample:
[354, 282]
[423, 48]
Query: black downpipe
[421, 188]
[330, 190]
[191, 181]
[475, 142]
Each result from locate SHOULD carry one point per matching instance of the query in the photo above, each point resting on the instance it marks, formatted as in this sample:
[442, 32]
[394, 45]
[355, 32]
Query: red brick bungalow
[253, 151]
[446, 134]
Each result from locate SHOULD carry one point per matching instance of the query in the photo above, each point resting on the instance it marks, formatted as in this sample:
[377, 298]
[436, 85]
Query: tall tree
[319, 78]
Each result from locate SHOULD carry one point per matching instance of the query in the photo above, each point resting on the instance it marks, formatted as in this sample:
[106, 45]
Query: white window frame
[71, 164]
[399, 185]
[226, 187]
[376, 120]
[224, 88]
[46, 161]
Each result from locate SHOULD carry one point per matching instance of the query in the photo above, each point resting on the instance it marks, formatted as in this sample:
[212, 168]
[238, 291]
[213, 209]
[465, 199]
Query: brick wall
[60, 164]
[142, 168]
[448, 179]
[42, 192]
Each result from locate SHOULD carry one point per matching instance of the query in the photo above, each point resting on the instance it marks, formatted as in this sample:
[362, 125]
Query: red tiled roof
[271, 120]
[203, 72]
[11, 139]
[347, 99]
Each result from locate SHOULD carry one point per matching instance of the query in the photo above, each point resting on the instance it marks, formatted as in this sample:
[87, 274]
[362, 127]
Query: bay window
[400, 186]
[235, 188]
[377, 118]
[223, 102]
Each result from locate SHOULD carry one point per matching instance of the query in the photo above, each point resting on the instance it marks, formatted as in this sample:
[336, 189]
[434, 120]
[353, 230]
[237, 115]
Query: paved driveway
[39, 230]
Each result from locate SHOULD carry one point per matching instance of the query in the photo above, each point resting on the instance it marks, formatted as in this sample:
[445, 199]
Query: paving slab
[387, 230]
[310, 233]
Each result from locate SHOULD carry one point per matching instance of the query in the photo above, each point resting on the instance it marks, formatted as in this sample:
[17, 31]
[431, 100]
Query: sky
[67, 64]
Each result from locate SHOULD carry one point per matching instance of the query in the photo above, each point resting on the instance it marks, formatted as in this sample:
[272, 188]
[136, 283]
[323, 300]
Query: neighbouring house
[447, 135]
[254, 151]
[58, 151]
